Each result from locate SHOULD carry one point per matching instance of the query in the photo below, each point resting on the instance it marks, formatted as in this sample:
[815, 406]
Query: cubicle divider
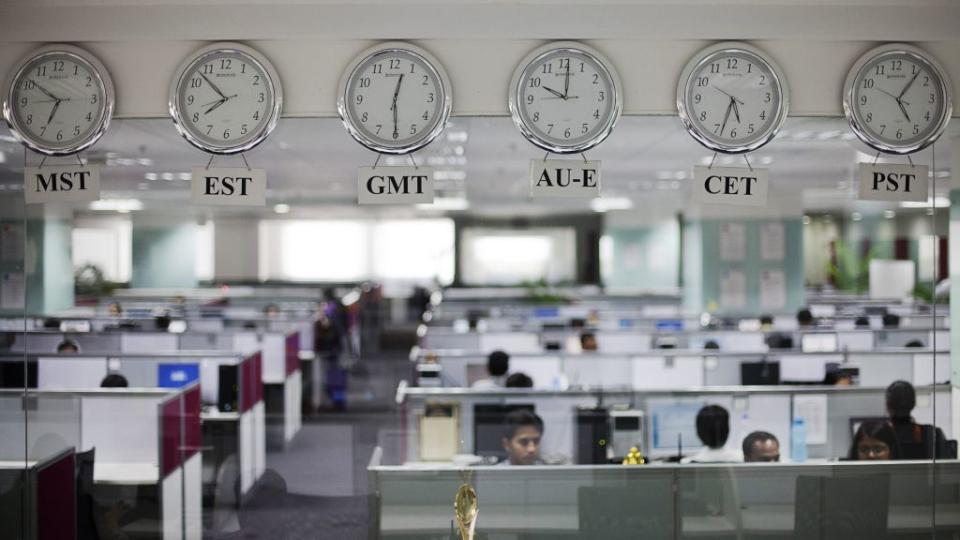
[669, 417]
[664, 368]
[809, 501]
[146, 438]
[38, 497]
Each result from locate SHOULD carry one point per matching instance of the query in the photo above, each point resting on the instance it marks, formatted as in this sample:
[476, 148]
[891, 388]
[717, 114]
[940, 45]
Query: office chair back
[847, 508]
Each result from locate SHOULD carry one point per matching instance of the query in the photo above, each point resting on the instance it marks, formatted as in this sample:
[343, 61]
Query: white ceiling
[311, 165]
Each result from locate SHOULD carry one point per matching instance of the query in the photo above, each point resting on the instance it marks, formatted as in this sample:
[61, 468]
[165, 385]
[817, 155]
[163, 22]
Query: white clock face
[226, 100]
[59, 103]
[565, 100]
[732, 100]
[898, 101]
[395, 101]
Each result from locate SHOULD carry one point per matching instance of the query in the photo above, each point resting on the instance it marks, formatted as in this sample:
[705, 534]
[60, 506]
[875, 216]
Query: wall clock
[394, 98]
[225, 98]
[565, 97]
[897, 99]
[59, 100]
[732, 97]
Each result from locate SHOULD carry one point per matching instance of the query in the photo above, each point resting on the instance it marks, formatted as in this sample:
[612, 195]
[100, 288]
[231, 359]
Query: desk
[126, 474]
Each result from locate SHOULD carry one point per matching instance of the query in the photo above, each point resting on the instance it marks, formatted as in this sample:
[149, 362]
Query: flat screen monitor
[11, 375]
[674, 425]
[759, 373]
[488, 426]
[177, 375]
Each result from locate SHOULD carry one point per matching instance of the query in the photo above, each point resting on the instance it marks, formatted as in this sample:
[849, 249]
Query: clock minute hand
[566, 83]
[903, 110]
[53, 111]
[215, 106]
[909, 84]
[729, 95]
[215, 87]
[45, 91]
[726, 117]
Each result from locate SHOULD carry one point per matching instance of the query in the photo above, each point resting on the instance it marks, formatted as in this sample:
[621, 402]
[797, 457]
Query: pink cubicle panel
[170, 435]
[57, 499]
[293, 352]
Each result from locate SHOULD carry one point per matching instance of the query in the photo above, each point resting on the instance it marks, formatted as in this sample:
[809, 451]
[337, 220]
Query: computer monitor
[759, 373]
[673, 426]
[11, 374]
[177, 375]
[855, 422]
[488, 426]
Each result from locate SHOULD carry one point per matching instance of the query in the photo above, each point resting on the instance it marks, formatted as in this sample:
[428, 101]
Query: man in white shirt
[521, 438]
[498, 364]
[713, 428]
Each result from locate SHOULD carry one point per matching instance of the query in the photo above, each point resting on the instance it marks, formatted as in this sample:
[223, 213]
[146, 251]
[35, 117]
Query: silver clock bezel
[850, 108]
[707, 55]
[514, 99]
[96, 67]
[384, 49]
[254, 57]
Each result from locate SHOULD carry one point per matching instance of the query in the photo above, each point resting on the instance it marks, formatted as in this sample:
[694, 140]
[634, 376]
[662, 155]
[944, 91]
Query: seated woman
[874, 441]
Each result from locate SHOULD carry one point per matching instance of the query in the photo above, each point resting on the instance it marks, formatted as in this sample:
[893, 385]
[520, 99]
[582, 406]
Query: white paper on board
[12, 290]
[733, 289]
[813, 409]
[773, 289]
[733, 242]
[772, 241]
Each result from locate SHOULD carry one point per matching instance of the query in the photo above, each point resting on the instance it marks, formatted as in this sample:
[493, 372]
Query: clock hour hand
[396, 93]
[899, 100]
[215, 106]
[554, 92]
[566, 83]
[215, 87]
[53, 111]
[736, 110]
[903, 109]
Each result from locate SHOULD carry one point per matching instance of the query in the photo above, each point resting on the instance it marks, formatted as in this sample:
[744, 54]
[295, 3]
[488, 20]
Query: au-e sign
[887, 182]
[564, 178]
[232, 186]
[394, 185]
[730, 185]
[66, 183]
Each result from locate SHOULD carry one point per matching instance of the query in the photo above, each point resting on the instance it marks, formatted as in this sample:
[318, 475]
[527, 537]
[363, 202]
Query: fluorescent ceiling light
[445, 203]
[937, 202]
[281, 208]
[117, 205]
[604, 204]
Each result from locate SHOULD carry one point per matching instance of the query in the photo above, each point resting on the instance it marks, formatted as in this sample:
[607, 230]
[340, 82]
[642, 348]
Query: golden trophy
[465, 510]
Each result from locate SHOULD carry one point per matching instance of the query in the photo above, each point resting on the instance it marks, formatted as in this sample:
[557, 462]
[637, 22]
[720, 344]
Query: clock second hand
[393, 106]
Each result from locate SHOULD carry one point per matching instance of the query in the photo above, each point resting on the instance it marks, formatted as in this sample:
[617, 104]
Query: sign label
[394, 185]
[886, 182]
[228, 186]
[564, 178]
[56, 183]
[730, 185]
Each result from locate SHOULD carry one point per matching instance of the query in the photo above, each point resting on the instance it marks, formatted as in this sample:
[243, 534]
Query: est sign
[885, 182]
[564, 178]
[394, 185]
[228, 186]
[730, 185]
[70, 183]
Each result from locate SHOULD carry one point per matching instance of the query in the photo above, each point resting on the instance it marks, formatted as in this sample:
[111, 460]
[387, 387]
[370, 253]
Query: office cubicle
[32, 491]
[810, 501]
[146, 447]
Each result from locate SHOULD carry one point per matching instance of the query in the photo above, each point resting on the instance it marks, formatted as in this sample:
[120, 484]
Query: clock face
[395, 100]
[226, 99]
[732, 99]
[896, 99]
[59, 101]
[565, 99]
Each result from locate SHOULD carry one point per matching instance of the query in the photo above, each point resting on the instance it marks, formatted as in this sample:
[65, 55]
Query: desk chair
[846, 508]
[622, 513]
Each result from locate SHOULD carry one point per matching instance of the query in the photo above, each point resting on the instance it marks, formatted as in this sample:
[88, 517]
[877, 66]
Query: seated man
[521, 438]
[761, 446]
[588, 341]
[498, 364]
[713, 428]
[68, 346]
[916, 441]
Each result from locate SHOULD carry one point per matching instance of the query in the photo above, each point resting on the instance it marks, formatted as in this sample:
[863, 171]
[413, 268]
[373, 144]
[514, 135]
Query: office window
[105, 243]
[413, 250]
[313, 250]
[509, 257]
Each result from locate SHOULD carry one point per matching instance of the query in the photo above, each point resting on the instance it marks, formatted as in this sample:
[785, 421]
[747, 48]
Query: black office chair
[846, 508]
[622, 513]
[86, 524]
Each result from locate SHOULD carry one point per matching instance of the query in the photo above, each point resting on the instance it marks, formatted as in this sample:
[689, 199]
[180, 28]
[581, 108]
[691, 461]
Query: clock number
[89, 116]
[548, 68]
[926, 81]
[261, 98]
[703, 81]
[196, 117]
[41, 71]
[534, 82]
[412, 66]
[566, 133]
[927, 116]
[596, 114]
[42, 130]
[76, 69]
[29, 119]
[564, 63]
[225, 63]
[863, 99]
[29, 84]
[208, 69]
[895, 65]
[256, 115]
[766, 98]
[394, 63]
[413, 129]
[869, 117]
[880, 70]
[426, 115]
[596, 78]
[584, 128]
[60, 135]
[57, 65]
[882, 128]
[716, 128]
[731, 63]
[243, 69]
[750, 70]
[76, 131]
[536, 116]
[703, 115]
[733, 133]
[359, 99]
[549, 128]
[226, 134]
[190, 99]
[364, 82]
[899, 134]
[715, 67]
[529, 99]
[581, 67]
[916, 129]
[243, 129]
[256, 80]
[379, 127]
[93, 99]
[749, 129]
[868, 83]
[763, 80]
[601, 96]
[697, 98]
[932, 99]
[89, 82]
[363, 118]
[23, 102]
[196, 82]
[209, 128]
[430, 97]
[763, 115]
[426, 78]
[377, 68]
[914, 69]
